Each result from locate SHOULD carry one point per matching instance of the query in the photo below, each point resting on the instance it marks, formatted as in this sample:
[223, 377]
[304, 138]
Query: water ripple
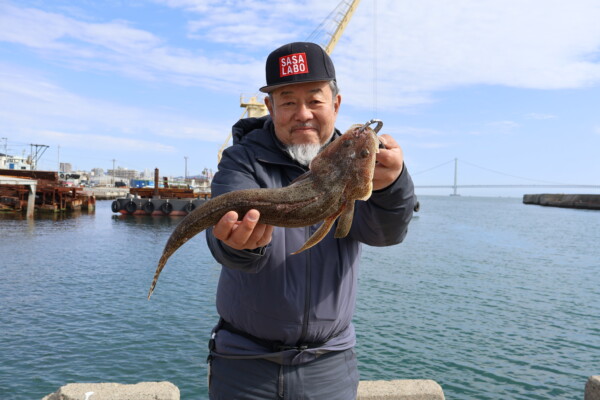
[485, 296]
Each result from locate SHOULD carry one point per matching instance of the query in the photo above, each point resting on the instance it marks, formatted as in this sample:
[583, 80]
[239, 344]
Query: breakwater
[583, 201]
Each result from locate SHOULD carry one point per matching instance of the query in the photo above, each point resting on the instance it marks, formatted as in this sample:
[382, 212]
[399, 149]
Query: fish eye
[365, 153]
[347, 143]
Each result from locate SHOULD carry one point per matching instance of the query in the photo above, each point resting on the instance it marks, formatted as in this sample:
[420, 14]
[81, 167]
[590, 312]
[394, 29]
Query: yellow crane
[334, 24]
[332, 27]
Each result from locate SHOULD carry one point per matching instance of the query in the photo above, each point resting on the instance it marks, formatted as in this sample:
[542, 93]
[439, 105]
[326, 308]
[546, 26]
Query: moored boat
[156, 205]
[159, 201]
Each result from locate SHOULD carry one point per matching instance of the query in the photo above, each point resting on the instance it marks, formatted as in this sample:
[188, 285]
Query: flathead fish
[338, 176]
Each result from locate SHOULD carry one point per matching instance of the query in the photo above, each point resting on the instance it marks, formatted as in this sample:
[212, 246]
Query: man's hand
[246, 234]
[389, 163]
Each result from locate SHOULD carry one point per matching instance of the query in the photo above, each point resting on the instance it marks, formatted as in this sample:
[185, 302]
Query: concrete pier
[116, 391]
[104, 193]
[31, 183]
[592, 388]
[583, 201]
[401, 389]
[405, 389]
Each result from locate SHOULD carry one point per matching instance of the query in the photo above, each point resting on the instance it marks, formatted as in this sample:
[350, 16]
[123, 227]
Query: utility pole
[40, 149]
[185, 178]
[113, 174]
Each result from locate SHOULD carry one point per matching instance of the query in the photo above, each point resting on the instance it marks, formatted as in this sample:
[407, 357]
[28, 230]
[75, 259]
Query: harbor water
[491, 298]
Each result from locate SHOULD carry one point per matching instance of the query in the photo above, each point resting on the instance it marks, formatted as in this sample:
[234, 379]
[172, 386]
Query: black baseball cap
[297, 62]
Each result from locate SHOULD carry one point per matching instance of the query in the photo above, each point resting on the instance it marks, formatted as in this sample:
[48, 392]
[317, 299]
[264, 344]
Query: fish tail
[159, 268]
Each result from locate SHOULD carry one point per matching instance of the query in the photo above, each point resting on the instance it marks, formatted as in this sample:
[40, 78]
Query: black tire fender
[166, 207]
[131, 207]
[148, 207]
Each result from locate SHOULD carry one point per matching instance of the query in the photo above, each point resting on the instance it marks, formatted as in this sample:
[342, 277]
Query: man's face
[304, 113]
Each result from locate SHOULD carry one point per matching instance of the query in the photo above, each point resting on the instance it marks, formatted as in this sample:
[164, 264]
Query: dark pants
[333, 376]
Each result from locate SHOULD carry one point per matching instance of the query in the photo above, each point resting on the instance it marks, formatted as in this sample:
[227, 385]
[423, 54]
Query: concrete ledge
[592, 388]
[402, 389]
[116, 391]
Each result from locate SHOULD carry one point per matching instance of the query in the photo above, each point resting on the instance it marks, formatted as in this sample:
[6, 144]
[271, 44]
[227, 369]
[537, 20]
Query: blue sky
[509, 87]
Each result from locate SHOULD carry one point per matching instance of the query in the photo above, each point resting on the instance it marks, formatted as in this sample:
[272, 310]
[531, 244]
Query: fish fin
[302, 177]
[345, 221]
[368, 192]
[319, 234]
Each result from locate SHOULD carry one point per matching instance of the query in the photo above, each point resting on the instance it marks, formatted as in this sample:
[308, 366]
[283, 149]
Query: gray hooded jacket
[307, 297]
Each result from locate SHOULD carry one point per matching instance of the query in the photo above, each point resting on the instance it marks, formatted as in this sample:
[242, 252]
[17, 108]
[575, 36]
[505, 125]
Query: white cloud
[430, 45]
[31, 103]
[411, 49]
[116, 46]
[103, 142]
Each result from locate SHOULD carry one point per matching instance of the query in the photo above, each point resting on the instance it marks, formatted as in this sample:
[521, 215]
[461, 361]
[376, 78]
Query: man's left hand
[389, 163]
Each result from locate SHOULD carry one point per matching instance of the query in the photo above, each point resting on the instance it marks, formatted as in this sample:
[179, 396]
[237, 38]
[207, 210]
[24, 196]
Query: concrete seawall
[103, 193]
[409, 389]
[402, 389]
[583, 201]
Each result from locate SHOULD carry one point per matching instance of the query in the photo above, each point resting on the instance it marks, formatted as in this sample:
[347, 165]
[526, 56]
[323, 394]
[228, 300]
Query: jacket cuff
[227, 256]
[399, 181]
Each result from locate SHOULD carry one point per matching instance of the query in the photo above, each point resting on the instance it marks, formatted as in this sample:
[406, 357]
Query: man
[285, 328]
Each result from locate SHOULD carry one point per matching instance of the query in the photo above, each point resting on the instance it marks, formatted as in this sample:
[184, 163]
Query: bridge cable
[432, 168]
[512, 176]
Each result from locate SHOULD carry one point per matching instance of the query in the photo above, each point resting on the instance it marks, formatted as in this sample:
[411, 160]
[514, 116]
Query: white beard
[304, 153]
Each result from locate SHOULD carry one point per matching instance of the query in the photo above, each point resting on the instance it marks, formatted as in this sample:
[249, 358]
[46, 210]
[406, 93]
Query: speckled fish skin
[338, 175]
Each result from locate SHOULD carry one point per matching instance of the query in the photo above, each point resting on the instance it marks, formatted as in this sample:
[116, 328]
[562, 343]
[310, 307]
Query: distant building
[147, 174]
[66, 167]
[97, 172]
[120, 172]
[106, 180]
[14, 162]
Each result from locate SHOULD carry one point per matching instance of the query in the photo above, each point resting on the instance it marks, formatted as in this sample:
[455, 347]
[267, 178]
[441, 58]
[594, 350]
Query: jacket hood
[247, 125]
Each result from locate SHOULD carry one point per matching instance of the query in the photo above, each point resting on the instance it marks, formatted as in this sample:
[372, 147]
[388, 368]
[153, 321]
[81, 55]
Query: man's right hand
[247, 234]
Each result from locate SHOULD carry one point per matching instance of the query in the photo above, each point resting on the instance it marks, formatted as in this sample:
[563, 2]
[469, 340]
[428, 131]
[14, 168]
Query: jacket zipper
[307, 235]
[307, 292]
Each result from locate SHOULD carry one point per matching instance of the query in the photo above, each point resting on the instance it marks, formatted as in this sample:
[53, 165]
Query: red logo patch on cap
[293, 64]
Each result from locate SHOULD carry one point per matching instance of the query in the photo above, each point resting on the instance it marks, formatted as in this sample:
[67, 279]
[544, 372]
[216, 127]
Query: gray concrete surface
[116, 391]
[402, 389]
[592, 388]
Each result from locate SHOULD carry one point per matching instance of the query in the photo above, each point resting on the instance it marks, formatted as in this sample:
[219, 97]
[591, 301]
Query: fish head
[350, 161]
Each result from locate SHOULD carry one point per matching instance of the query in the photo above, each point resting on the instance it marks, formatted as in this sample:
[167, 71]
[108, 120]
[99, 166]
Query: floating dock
[582, 201]
[157, 205]
[159, 201]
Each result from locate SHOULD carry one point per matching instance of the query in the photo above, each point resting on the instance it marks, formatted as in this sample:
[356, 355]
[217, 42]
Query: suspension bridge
[456, 185]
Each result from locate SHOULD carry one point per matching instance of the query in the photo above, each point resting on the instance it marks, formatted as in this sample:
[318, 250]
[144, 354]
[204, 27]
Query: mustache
[302, 125]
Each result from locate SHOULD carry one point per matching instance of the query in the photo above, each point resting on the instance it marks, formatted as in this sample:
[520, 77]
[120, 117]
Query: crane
[332, 27]
[334, 24]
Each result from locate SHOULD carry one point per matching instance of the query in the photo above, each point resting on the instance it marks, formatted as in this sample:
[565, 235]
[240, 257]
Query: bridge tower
[455, 186]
